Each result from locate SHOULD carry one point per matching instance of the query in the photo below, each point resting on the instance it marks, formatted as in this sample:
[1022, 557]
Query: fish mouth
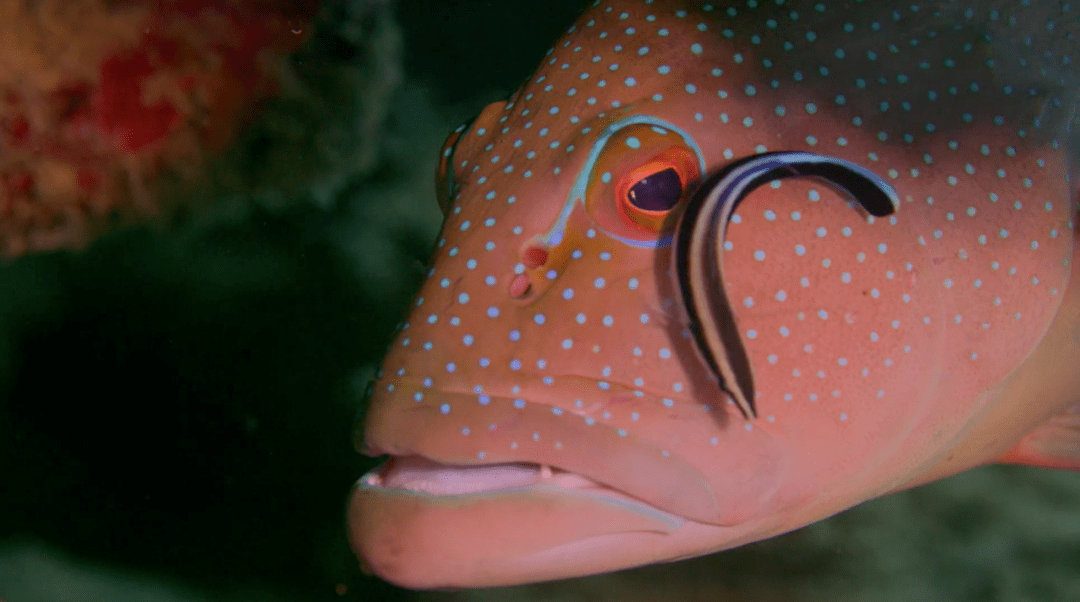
[445, 443]
[426, 477]
[422, 524]
[448, 509]
[514, 444]
[423, 475]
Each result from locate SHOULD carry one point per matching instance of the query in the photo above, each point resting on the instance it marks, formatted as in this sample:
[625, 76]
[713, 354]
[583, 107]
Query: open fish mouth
[420, 475]
[456, 444]
[423, 524]
[501, 443]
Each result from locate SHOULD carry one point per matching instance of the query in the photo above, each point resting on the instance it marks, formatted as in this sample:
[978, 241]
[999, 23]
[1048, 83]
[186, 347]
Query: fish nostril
[534, 257]
[520, 286]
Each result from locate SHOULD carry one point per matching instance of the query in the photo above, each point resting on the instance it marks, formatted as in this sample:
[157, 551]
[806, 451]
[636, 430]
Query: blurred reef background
[189, 312]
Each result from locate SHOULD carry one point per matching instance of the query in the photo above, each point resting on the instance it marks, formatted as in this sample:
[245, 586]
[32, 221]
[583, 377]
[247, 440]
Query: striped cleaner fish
[721, 270]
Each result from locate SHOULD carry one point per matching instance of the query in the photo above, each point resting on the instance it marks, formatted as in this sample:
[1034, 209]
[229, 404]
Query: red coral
[120, 111]
[179, 94]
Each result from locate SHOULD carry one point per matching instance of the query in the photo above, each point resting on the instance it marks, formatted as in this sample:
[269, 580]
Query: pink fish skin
[547, 405]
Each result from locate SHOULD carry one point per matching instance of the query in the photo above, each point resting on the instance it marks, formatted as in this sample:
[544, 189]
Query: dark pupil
[658, 192]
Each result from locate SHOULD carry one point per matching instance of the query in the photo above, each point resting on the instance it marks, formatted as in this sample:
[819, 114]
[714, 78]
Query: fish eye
[642, 173]
[646, 195]
[444, 176]
[656, 192]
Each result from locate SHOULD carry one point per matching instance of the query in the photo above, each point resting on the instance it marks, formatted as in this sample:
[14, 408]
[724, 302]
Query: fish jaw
[543, 526]
[408, 536]
[507, 431]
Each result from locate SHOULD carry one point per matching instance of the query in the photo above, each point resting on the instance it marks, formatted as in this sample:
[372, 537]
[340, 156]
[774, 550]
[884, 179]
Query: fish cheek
[843, 330]
[841, 319]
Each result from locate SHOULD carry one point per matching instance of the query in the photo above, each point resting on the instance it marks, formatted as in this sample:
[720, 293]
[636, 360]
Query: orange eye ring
[677, 159]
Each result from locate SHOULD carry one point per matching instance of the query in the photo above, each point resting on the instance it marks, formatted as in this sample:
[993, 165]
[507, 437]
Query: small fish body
[720, 270]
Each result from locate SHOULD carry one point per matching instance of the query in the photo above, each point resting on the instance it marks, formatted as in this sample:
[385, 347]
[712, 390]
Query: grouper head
[720, 270]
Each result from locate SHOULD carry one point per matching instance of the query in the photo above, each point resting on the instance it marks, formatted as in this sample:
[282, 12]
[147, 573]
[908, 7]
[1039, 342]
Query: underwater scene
[564, 300]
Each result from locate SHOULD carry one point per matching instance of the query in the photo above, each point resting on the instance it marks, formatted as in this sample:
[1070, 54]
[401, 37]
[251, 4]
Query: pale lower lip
[624, 460]
[505, 531]
[415, 473]
[427, 477]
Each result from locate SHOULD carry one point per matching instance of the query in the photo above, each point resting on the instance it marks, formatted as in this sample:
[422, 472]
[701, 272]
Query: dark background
[182, 402]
